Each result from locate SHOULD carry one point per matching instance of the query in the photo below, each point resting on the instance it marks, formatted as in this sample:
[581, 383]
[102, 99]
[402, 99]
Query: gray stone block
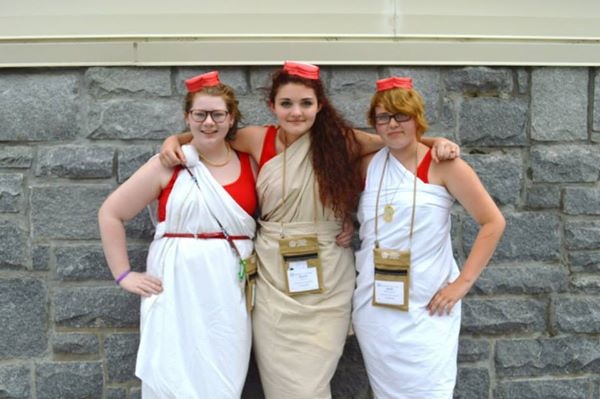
[75, 161]
[582, 201]
[23, 317]
[472, 383]
[40, 257]
[587, 284]
[66, 211]
[532, 278]
[479, 80]
[528, 236]
[260, 78]
[131, 158]
[115, 393]
[572, 388]
[233, 77]
[559, 98]
[16, 157]
[501, 174]
[547, 356]
[255, 111]
[87, 262]
[95, 307]
[354, 111]
[72, 380]
[128, 119]
[596, 113]
[566, 163]
[490, 121]
[103, 81]
[14, 382]
[503, 316]
[135, 393]
[50, 101]
[587, 262]
[522, 81]
[346, 80]
[121, 352]
[13, 246]
[140, 226]
[11, 192]
[582, 234]
[74, 343]
[473, 350]
[579, 314]
[543, 197]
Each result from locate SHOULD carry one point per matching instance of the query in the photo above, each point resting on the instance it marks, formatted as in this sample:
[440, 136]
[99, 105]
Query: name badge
[391, 283]
[301, 264]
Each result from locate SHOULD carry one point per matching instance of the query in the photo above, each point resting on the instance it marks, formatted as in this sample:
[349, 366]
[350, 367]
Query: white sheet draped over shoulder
[195, 336]
[407, 354]
[298, 340]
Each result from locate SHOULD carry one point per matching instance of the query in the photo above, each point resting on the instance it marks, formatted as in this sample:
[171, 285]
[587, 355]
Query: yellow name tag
[392, 278]
[301, 264]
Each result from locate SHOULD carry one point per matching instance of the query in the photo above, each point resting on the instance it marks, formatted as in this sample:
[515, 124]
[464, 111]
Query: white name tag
[301, 277]
[389, 292]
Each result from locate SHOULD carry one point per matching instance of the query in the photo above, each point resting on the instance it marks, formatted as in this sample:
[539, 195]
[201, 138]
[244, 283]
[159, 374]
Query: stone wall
[531, 324]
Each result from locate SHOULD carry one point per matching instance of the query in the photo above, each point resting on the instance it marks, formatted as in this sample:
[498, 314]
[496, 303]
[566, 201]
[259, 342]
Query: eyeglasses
[200, 115]
[384, 119]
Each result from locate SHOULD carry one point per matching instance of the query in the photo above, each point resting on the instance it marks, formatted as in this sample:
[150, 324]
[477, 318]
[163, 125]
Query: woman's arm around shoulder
[123, 204]
[248, 139]
[463, 184]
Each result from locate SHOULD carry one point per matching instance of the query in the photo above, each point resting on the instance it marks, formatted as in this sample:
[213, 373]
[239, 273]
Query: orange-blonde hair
[398, 100]
[228, 96]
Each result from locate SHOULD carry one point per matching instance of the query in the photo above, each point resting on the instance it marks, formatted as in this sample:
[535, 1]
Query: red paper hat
[393, 83]
[199, 82]
[301, 69]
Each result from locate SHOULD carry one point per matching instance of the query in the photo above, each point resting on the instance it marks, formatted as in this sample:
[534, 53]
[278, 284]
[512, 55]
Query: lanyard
[242, 269]
[412, 221]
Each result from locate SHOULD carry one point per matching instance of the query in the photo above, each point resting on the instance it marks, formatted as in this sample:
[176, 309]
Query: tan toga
[298, 340]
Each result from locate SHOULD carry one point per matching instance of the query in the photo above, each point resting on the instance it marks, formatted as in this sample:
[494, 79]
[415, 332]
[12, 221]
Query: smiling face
[208, 131]
[296, 108]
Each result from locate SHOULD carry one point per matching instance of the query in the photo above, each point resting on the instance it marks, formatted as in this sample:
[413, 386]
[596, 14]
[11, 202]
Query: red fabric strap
[205, 236]
[423, 169]
[268, 150]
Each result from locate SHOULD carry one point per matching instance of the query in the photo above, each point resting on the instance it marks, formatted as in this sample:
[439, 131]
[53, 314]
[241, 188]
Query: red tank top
[243, 190]
[268, 150]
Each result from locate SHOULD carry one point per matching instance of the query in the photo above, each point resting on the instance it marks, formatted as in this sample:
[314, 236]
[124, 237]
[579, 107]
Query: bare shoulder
[443, 173]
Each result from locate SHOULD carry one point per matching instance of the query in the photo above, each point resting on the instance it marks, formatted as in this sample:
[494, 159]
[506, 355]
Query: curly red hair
[334, 149]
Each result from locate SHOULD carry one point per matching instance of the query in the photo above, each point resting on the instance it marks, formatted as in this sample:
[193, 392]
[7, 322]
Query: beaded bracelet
[122, 276]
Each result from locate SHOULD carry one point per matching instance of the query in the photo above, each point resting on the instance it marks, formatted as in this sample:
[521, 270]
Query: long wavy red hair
[334, 150]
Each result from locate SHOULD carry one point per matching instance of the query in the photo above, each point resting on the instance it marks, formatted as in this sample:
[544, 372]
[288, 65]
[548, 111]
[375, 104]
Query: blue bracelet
[122, 276]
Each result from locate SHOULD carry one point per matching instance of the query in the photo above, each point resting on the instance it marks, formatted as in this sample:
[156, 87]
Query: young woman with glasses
[195, 332]
[406, 306]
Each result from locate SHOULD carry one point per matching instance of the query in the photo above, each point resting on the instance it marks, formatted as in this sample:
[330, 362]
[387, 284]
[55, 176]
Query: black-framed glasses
[384, 119]
[200, 115]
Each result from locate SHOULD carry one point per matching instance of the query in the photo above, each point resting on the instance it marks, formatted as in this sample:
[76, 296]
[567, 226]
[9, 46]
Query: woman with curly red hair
[308, 185]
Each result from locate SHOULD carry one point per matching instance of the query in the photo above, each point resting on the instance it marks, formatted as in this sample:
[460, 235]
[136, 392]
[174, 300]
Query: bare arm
[248, 139]
[462, 182]
[123, 204]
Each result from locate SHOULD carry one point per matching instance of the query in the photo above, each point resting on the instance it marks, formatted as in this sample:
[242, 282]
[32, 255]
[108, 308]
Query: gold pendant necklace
[388, 213]
[217, 165]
